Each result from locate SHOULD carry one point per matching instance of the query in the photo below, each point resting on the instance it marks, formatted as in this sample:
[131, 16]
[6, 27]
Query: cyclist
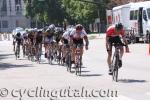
[113, 35]
[77, 36]
[25, 43]
[48, 38]
[65, 40]
[31, 38]
[18, 40]
[38, 43]
[31, 47]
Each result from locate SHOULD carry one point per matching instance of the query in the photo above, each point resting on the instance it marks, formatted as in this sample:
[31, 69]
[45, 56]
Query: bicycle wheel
[16, 53]
[77, 65]
[68, 62]
[50, 57]
[115, 71]
[24, 50]
[113, 67]
[80, 64]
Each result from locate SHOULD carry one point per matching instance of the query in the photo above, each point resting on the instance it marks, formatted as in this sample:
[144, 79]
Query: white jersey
[78, 36]
[66, 35]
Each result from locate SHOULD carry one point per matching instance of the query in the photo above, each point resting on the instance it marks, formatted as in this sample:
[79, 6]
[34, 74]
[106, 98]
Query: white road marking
[121, 97]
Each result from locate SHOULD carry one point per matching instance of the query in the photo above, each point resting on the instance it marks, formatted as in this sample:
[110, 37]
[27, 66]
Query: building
[12, 15]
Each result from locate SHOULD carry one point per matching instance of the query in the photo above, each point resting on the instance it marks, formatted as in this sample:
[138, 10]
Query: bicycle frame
[50, 53]
[68, 58]
[38, 52]
[115, 61]
[78, 59]
[17, 52]
[115, 64]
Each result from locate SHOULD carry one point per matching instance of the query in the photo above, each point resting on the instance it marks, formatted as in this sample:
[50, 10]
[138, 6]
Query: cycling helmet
[52, 26]
[79, 27]
[39, 32]
[119, 26]
[18, 34]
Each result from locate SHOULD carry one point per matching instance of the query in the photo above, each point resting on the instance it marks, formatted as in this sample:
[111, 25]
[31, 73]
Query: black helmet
[119, 26]
[18, 34]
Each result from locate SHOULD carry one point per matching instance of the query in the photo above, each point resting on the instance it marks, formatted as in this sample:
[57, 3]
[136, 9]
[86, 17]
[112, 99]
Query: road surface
[25, 80]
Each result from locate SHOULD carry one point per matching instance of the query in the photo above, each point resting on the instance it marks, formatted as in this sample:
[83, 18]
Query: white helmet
[52, 26]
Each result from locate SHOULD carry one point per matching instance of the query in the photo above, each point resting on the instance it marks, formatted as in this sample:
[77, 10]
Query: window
[131, 15]
[17, 7]
[5, 24]
[136, 15]
[144, 15]
[3, 7]
[148, 12]
[18, 2]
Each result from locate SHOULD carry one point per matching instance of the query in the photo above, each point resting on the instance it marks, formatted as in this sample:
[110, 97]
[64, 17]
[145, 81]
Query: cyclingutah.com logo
[56, 94]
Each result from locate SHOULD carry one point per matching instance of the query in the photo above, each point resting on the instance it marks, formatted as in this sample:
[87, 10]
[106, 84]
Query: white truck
[136, 19]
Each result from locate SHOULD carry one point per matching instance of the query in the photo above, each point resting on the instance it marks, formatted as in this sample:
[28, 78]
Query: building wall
[14, 15]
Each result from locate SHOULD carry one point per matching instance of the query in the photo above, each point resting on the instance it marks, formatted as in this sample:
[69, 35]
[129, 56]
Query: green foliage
[47, 10]
[75, 11]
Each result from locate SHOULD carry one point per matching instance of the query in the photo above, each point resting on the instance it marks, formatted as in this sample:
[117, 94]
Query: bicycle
[50, 54]
[68, 58]
[17, 52]
[59, 55]
[78, 60]
[38, 52]
[31, 53]
[115, 61]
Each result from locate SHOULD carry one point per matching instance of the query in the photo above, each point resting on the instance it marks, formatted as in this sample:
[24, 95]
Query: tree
[80, 12]
[49, 11]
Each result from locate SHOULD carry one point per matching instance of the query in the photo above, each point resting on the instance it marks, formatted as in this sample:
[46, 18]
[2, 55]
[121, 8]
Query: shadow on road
[4, 66]
[132, 81]
[90, 75]
[5, 56]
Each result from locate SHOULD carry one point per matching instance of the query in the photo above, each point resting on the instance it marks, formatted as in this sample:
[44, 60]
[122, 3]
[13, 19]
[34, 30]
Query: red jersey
[111, 31]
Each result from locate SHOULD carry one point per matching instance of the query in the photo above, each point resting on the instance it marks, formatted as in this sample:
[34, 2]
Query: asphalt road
[25, 80]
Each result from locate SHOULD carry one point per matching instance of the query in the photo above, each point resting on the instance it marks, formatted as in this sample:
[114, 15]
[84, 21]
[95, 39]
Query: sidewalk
[96, 36]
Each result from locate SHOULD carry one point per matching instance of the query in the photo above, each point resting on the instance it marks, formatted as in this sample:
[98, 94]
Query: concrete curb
[96, 36]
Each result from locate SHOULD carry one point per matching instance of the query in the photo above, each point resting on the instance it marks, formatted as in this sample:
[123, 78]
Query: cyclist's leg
[14, 43]
[121, 51]
[109, 55]
[64, 52]
[46, 49]
[73, 48]
[121, 55]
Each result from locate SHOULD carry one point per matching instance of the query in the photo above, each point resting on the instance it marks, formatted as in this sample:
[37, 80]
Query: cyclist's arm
[125, 40]
[86, 41]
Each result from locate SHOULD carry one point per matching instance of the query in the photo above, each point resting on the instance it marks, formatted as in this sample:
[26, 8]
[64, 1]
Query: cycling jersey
[77, 36]
[31, 37]
[66, 35]
[18, 40]
[111, 31]
[38, 38]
